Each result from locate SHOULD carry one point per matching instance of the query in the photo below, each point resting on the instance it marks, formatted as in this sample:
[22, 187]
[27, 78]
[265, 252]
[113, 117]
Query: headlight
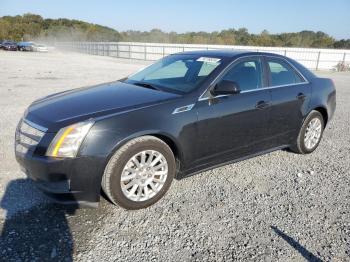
[68, 140]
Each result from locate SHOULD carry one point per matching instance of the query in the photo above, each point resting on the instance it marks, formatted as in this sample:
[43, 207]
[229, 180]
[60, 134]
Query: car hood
[61, 109]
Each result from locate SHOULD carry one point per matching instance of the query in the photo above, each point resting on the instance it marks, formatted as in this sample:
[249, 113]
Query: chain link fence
[315, 59]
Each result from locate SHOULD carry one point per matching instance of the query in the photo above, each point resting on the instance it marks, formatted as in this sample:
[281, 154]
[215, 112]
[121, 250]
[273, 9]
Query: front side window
[247, 74]
[178, 73]
[282, 74]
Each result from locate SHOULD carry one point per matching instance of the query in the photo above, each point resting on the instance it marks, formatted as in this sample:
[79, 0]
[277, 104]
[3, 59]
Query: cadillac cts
[186, 113]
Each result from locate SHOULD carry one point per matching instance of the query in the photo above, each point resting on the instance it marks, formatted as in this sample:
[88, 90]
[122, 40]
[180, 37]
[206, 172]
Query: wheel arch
[323, 112]
[173, 146]
[165, 137]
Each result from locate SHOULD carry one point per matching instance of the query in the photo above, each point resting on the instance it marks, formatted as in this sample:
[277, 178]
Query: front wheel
[139, 173]
[310, 133]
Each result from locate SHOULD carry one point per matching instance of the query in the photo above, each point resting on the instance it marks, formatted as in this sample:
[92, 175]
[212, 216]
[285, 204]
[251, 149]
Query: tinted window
[173, 70]
[282, 73]
[247, 74]
[181, 73]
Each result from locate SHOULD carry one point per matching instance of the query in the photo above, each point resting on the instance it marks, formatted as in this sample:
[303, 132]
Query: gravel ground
[26, 76]
[277, 207]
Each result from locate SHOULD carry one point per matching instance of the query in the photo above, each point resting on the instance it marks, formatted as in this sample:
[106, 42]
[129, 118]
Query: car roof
[216, 52]
[227, 53]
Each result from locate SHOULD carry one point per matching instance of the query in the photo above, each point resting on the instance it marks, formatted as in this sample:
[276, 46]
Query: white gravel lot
[26, 76]
[277, 207]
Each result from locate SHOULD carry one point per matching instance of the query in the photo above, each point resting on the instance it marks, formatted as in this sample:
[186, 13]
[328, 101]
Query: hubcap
[313, 133]
[144, 175]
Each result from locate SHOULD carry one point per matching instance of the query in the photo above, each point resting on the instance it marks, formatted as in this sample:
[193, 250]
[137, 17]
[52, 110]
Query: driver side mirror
[225, 87]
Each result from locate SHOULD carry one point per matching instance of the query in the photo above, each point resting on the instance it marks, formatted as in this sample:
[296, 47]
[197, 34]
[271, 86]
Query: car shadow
[295, 244]
[22, 194]
[41, 233]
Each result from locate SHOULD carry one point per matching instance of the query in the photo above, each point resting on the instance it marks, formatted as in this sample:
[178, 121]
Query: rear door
[290, 94]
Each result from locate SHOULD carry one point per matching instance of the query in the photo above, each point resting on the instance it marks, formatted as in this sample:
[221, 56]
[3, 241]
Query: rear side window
[282, 74]
[247, 74]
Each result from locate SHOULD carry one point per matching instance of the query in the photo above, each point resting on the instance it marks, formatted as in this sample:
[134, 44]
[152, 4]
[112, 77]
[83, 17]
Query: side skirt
[194, 171]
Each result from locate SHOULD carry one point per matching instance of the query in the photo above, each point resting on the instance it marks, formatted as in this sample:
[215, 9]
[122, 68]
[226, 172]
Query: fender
[157, 133]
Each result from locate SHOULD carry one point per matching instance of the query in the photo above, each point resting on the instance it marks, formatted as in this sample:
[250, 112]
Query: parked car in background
[40, 48]
[9, 46]
[186, 113]
[25, 46]
[342, 66]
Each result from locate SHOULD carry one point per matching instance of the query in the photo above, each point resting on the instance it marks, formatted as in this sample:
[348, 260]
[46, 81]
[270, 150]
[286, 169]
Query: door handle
[301, 96]
[262, 105]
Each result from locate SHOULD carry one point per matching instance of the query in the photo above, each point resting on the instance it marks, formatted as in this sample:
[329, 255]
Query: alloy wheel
[313, 133]
[144, 175]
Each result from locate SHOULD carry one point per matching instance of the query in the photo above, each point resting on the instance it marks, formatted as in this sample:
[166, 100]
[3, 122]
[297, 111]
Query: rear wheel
[139, 173]
[310, 133]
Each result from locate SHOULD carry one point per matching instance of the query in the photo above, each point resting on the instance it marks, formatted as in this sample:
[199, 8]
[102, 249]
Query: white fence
[312, 58]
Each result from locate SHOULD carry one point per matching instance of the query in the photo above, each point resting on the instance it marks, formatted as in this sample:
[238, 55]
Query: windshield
[179, 73]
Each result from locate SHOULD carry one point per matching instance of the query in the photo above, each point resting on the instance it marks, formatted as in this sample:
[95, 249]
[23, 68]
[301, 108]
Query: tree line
[32, 27]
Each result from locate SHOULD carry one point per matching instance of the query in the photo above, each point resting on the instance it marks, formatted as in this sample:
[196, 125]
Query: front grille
[28, 136]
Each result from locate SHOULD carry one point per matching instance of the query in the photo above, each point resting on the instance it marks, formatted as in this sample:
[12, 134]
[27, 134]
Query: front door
[233, 126]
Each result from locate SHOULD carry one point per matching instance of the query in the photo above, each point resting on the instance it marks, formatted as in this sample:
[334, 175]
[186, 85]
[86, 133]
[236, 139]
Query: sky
[276, 16]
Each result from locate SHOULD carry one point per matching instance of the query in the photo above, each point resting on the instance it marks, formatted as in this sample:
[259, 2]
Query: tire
[116, 190]
[301, 145]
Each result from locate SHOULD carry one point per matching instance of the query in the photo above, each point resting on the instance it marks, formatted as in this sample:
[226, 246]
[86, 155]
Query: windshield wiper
[147, 85]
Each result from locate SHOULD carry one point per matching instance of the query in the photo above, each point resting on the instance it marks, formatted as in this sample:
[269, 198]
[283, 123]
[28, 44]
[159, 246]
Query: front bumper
[26, 48]
[75, 181]
[10, 48]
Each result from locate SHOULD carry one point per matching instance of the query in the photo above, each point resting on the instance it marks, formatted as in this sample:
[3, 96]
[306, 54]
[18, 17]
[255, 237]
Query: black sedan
[184, 114]
[9, 46]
